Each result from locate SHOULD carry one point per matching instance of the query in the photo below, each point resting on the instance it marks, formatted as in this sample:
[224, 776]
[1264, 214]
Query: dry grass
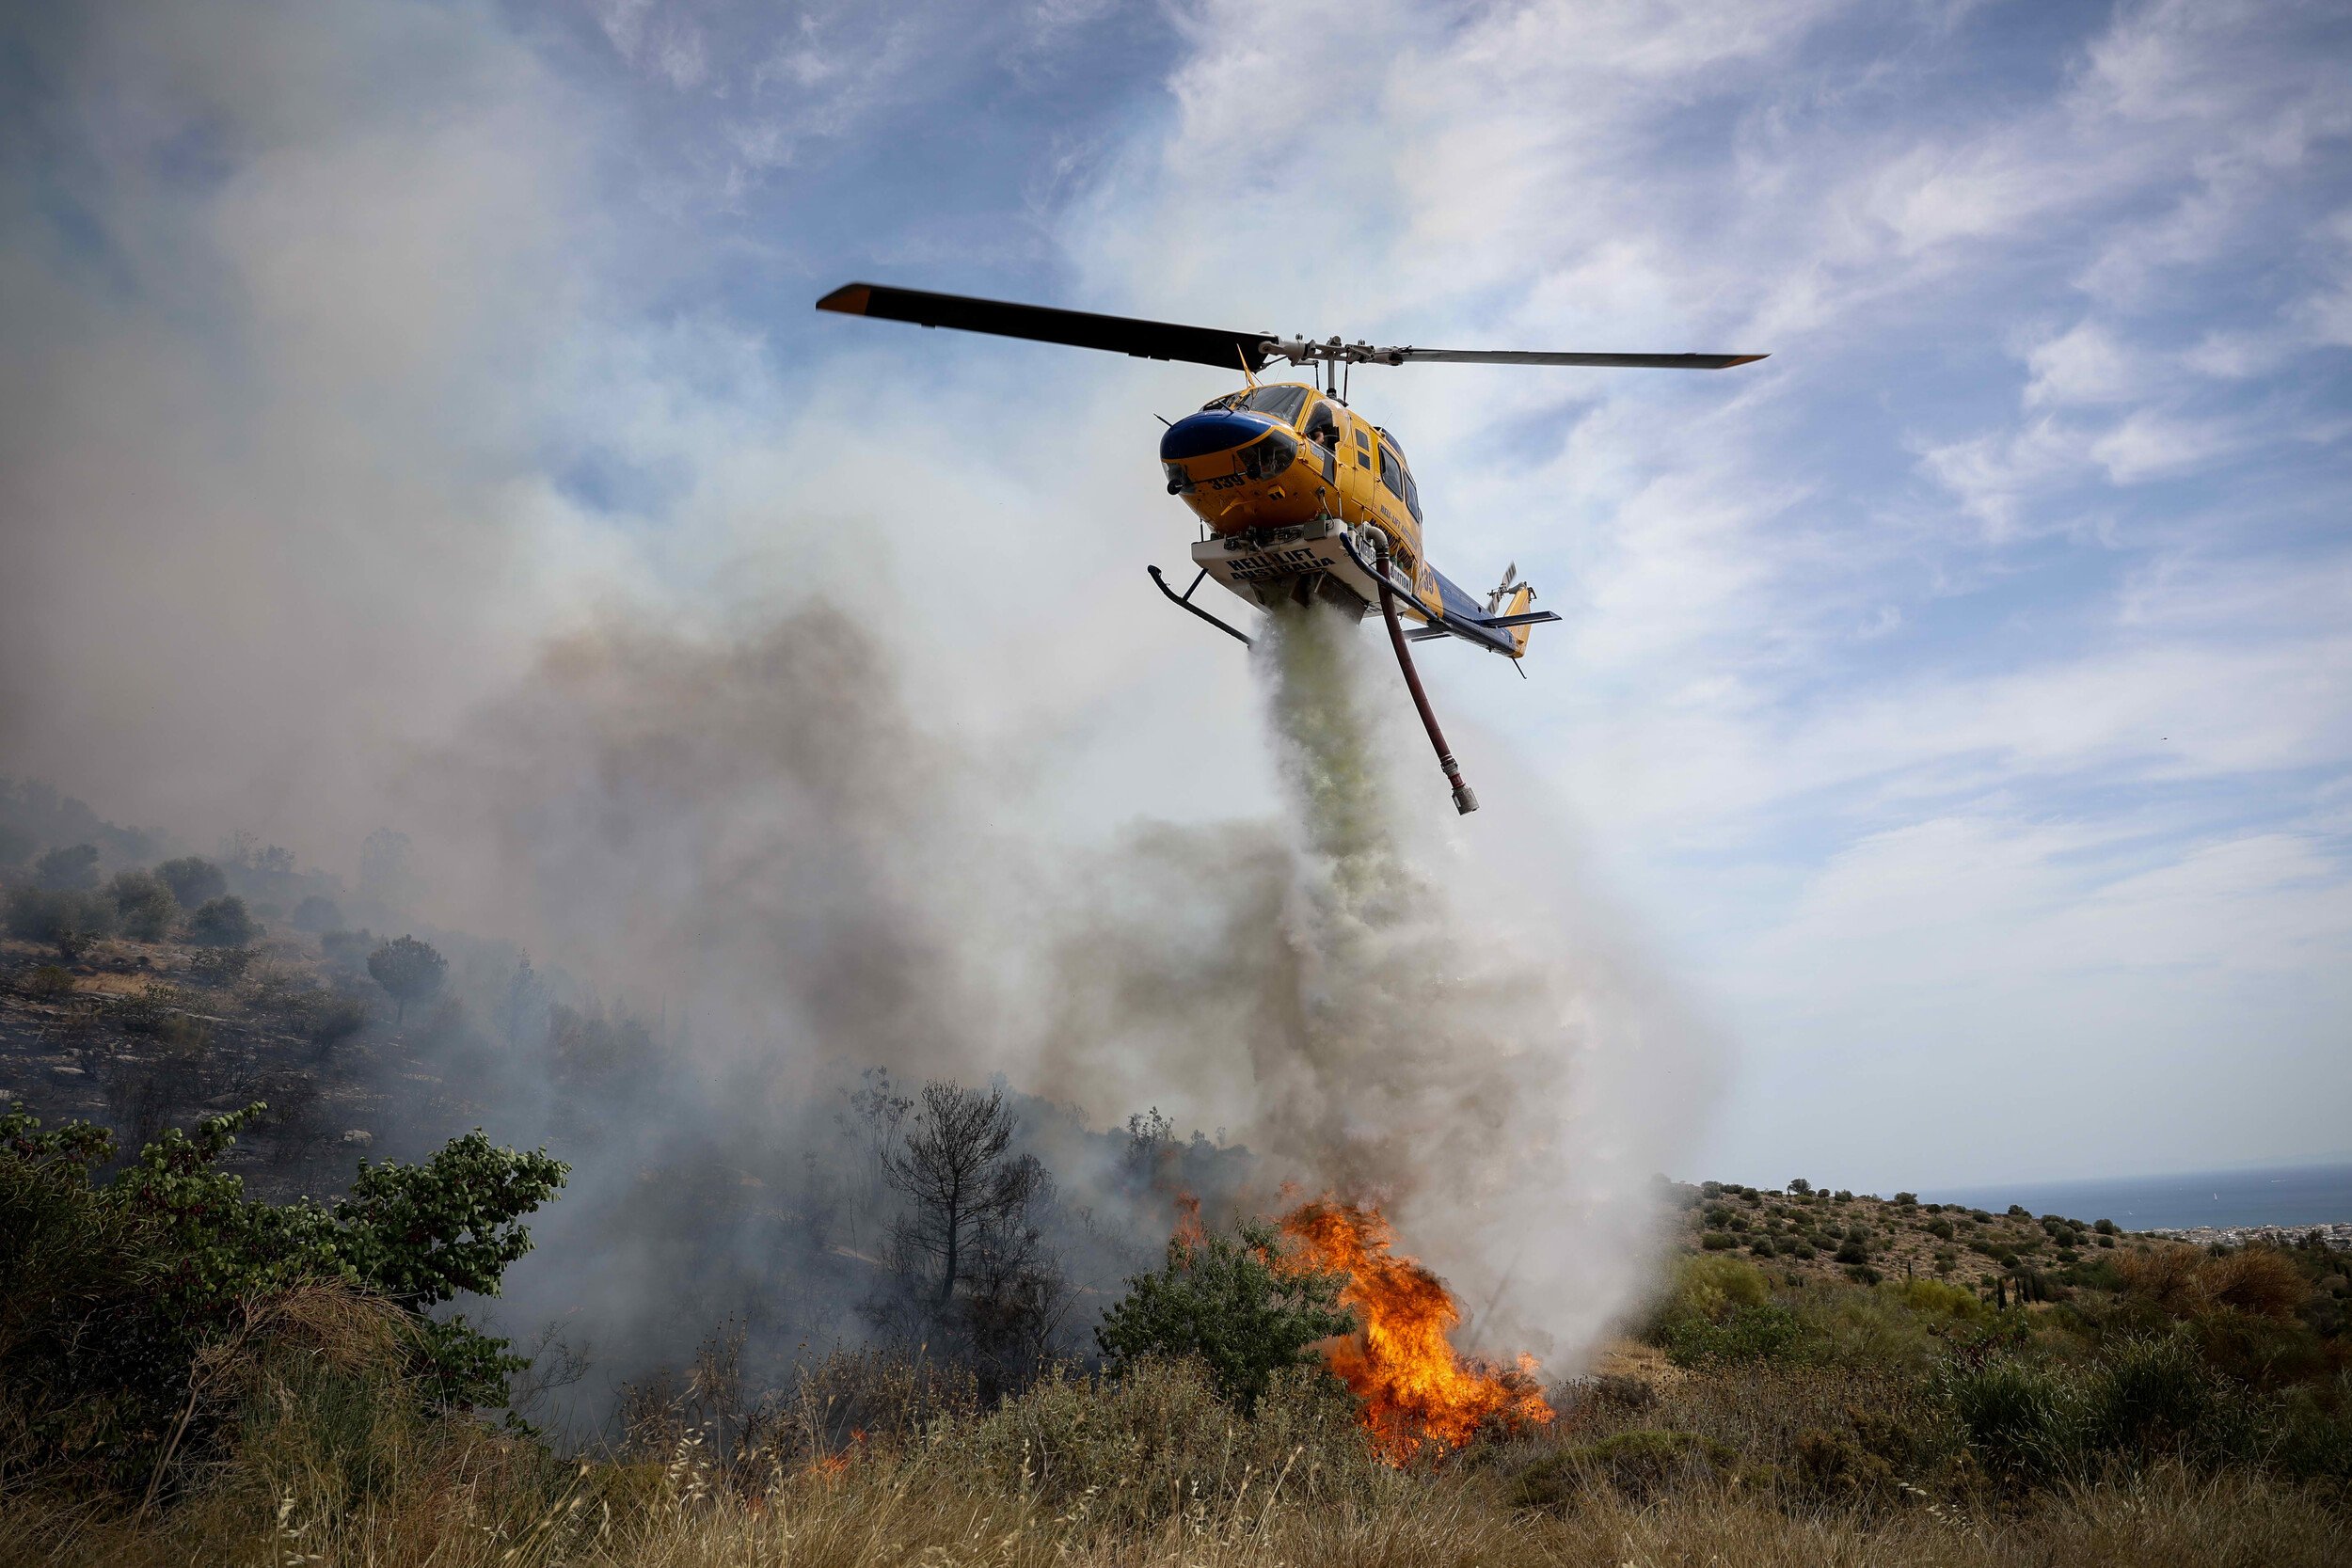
[459, 1513]
[2186, 1280]
[1152, 1473]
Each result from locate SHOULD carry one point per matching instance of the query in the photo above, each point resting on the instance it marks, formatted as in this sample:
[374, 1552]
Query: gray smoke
[752, 830]
[307, 326]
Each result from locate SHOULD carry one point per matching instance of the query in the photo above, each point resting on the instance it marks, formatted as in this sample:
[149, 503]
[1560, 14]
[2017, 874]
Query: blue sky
[1958, 704]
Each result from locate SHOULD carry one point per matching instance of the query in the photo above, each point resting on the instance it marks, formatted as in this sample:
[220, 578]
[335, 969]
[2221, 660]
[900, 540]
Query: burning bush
[1416, 1390]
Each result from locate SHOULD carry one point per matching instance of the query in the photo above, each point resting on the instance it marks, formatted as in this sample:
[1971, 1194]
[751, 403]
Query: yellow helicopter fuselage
[1284, 453]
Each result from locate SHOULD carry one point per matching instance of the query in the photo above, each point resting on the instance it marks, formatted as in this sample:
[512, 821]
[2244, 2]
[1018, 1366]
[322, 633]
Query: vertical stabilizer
[1521, 597]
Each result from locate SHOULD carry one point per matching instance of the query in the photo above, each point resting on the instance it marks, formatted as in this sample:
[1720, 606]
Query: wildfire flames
[1415, 1389]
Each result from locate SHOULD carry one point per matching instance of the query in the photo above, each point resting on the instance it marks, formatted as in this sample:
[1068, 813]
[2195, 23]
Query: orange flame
[830, 1467]
[1416, 1390]
[1190, 1235]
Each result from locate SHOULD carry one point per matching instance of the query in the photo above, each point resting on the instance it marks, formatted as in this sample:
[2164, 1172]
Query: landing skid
[1183, 601]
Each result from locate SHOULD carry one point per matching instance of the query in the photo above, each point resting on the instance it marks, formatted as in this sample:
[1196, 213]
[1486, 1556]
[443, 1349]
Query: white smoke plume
[285, 551]
[1419, 1020]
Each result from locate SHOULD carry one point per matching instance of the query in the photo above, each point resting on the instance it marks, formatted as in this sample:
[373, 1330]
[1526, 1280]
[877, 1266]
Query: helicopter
[1298, 496]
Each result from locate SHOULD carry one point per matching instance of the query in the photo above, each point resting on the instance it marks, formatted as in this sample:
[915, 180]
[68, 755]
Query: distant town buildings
[2337, 1237]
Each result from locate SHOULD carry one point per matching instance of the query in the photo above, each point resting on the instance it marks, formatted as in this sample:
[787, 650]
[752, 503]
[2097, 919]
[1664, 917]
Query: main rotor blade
[1525, 356]
[1144, 339]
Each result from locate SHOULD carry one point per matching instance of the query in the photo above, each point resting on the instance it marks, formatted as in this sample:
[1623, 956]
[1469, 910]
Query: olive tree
[409, 969]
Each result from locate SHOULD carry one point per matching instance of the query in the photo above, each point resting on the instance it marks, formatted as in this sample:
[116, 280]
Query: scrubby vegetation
[118, 1296]
[2183, 1405]
[197, 1363]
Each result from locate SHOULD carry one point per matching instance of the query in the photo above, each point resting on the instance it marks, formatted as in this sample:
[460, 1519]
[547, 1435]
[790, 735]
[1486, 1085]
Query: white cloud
[2087, 364]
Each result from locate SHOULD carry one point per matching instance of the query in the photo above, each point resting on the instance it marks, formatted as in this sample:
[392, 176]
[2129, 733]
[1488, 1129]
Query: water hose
[1464, 801]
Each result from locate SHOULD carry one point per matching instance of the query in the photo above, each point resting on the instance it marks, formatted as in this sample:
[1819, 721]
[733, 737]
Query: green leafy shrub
[1719, 1241]
[2312, 1438]
[317, 913]
[2151, 1391]
[346, 949]
[1713, 1287]
[2025, 1423]
[222, 922]
[1230, 1303]
[113, 1288]
[46, 982]
[1721, 1308]
[194, 881]
[69, 920]
[1934, 1298]
[221, 966]
[143, 905]
[72, 869]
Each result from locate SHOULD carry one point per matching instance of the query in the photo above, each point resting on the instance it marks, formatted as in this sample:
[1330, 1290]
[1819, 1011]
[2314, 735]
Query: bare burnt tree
[957, 1176]
[1015, 1296]
[972, 1274]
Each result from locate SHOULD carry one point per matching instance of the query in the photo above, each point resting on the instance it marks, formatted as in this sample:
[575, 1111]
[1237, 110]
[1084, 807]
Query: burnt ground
[139, 1036]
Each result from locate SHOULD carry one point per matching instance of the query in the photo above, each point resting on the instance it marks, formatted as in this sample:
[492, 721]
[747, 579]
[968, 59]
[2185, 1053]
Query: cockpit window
[1281, 403]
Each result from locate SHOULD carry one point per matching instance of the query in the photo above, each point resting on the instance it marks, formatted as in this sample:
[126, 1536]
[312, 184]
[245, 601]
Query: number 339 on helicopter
[1300, 497]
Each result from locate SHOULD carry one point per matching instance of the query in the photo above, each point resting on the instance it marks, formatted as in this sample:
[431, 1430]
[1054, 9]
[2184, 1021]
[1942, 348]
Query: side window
[1391, 472]
[1364, 449]
[1412, 496]
[1323, 426]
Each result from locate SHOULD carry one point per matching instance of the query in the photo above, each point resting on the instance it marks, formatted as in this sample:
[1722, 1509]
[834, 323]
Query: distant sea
[2284, 1195]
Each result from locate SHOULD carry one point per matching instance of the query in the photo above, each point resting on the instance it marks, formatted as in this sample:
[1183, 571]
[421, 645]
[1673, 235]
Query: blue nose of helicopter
[1216, 430]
